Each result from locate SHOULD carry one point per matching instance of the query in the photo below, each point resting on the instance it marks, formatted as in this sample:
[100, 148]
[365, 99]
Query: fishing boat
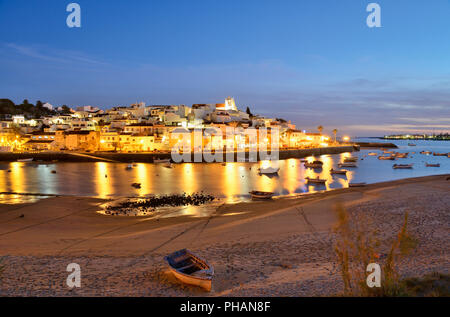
[425, 152]
[190, 269]
[411, 144]
[269, 170]
[432, 165]
[136, 185]
[333, 171]
[314, 164]
[402, 166]
[440, 154]
[373, 154]
[161, 160]
[386, 157]
[347, 164]
[316, 180]
[129, 166]
[261, 195]
[25, 160]
[350, 159]
[357, 184]
[388, 152]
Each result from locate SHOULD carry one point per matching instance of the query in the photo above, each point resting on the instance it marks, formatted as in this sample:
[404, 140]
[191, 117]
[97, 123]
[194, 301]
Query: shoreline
[291, 239]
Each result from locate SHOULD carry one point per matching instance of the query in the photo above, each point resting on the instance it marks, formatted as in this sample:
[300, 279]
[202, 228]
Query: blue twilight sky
[310, 61]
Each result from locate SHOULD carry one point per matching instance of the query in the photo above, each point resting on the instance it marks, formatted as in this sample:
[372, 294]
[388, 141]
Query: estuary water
[231, 182]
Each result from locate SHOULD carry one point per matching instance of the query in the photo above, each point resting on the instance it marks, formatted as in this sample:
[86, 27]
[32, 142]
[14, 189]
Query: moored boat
[315, 180]
[411, 144]
[402, 166]
[432, 165]
[314, 164]
[440, 154]
[190, 269]
[373, 154]
[261, 195]
[425, 152]
[129, 167]
[333, 171]
[156, 160]
[269, 170]
[350, 159]
[347, 165]
[357, 184]
[386, 157]
[25, 160]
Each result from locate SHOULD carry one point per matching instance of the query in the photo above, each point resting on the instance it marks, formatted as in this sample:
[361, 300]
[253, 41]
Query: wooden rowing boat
[190, 269]
[261, 195]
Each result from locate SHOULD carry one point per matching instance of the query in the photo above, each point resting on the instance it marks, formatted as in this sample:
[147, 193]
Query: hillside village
[139, 128]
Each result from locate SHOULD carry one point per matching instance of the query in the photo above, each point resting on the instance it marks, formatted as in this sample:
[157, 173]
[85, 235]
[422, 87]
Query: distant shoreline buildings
[432, 137]
[138, 127]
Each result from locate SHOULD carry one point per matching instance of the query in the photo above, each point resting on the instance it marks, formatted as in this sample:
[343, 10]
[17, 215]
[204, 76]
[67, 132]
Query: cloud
[47, 54]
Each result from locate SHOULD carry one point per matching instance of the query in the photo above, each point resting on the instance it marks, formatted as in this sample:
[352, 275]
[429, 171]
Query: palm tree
[320, 128]
[335, 132]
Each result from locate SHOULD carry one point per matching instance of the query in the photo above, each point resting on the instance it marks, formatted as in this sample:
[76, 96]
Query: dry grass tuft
[358, 244]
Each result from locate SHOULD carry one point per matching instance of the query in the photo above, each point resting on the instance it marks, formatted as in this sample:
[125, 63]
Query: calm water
[231, 182]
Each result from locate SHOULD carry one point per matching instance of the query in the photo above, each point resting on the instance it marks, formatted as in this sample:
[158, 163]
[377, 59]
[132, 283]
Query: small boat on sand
[315, 180]
[314, 164]
[161, 160]
[402, 166]
[357, 184]
[347, 165]
[25, 160]
[261, 195]
[190, 269]
[333, 171]
[432, 165]
[269, 170]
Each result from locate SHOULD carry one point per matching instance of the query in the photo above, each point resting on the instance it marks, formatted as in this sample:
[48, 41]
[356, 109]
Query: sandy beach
[282, 247]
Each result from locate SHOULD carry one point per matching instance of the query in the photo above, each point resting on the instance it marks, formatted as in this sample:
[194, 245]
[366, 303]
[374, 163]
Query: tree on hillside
[320, 128]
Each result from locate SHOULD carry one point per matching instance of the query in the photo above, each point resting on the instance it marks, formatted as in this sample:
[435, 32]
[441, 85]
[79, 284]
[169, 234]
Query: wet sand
[282, 247]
